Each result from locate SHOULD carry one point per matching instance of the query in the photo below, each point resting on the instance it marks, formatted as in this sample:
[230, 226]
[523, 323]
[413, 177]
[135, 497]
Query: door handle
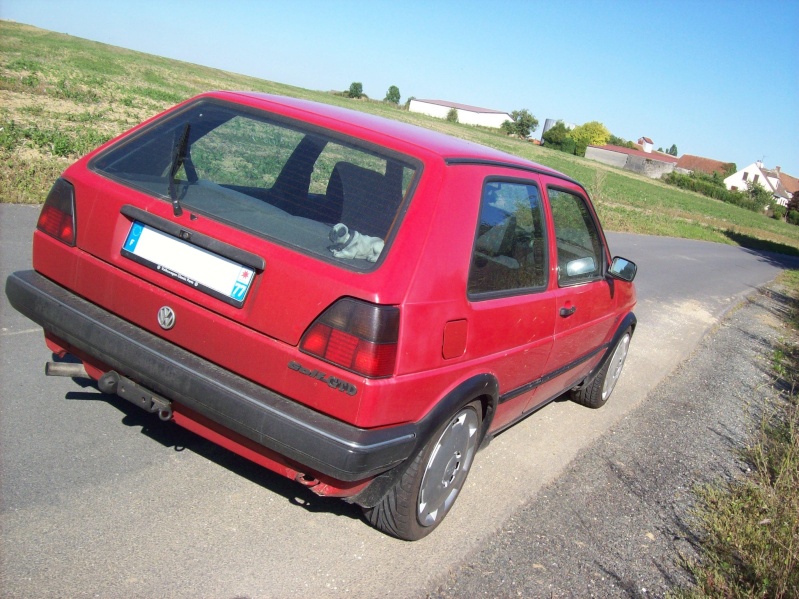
[566, 312]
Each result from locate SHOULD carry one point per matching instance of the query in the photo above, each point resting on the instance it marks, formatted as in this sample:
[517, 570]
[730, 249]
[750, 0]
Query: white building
[769, 179]
[470, 115]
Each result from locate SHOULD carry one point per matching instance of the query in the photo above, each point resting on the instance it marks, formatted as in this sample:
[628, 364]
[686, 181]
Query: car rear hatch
[225, 215]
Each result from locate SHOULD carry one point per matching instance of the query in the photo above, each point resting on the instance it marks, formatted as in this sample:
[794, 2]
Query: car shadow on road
[174, 437]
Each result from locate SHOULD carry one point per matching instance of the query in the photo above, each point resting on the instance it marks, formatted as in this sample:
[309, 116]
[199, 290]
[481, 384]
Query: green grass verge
[60, 96]
[750, 528]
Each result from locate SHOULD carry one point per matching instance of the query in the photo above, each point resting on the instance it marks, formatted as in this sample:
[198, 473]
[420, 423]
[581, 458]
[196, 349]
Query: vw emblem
[166, 318]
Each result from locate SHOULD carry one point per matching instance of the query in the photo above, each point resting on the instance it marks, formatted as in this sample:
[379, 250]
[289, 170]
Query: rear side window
[271, 177]
[580, 255]
[510, 249]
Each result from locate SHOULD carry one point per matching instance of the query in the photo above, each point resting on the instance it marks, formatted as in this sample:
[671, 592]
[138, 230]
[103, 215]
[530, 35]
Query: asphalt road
[101, 499]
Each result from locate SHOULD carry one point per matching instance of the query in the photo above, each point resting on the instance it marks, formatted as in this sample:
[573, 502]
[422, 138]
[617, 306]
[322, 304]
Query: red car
[355, 303]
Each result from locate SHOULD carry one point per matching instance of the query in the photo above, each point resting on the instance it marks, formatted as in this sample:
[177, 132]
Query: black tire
[426, 491]
[596, 393]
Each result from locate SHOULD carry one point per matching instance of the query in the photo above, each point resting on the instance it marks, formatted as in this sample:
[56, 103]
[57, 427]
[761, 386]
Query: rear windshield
[326, 195]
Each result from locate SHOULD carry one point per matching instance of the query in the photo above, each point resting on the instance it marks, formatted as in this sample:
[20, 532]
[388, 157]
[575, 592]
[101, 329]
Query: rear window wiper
[179, 153]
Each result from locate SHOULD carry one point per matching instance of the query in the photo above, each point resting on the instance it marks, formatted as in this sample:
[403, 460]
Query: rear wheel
[427, 490]
[596, 393]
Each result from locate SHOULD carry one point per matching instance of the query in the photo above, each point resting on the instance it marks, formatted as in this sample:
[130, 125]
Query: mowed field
[62, 96]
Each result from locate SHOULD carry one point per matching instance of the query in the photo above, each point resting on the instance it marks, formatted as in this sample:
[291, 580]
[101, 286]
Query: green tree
[555, 136]
[452, 115]
[792, 211]
[522, 124]
[393, 95]
[616, 141]
[356, 90]
[672, 150]
[592, 133]
[620, 141]
[408, 102]
[759, 194]
[569, 146]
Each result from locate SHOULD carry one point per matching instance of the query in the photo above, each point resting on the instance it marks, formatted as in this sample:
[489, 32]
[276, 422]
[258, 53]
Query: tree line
[355, 91]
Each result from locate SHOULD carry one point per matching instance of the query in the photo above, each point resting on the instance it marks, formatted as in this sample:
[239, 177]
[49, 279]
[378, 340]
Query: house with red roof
[788, 182]
[690, 163]
[781, 185]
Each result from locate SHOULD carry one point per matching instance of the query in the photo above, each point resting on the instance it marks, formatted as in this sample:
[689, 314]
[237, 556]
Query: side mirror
[623, 269]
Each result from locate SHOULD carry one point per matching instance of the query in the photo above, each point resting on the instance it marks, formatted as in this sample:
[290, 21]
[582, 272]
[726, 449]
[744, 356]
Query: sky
[717, 78]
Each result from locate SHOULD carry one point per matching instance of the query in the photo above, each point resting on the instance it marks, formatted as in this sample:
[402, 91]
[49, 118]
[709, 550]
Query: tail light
[357, 336]
[58, 213]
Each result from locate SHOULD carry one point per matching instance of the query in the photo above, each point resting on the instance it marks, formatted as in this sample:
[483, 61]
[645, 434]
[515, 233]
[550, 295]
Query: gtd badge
[166, 318]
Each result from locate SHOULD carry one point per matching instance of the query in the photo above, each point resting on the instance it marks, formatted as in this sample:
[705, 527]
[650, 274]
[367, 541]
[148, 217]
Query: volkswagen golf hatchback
[355, 303]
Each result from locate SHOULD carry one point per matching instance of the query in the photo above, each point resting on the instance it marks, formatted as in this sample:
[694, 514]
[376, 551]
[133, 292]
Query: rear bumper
[323, 444]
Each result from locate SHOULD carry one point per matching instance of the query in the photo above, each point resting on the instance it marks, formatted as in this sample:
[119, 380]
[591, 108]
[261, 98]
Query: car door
[584, 299]
[512, 314]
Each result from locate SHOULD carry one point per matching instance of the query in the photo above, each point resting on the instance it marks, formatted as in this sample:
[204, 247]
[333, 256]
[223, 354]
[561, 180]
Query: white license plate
[217, 276]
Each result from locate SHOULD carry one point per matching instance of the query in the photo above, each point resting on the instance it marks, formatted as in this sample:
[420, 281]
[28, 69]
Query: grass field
[61, 96]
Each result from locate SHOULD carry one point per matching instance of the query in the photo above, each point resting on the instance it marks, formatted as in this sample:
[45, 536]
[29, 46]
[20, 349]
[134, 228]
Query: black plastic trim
[522, 416]
[629, 321]
[480, 386]
[550, 375]
[454, 161]
[221, 248]
[321, 443]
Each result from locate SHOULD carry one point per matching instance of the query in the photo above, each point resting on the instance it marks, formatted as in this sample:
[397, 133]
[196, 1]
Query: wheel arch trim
[484, 387]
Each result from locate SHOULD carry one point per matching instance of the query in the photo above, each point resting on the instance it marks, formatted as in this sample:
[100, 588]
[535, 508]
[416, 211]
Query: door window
[510, 249]
[580, 255]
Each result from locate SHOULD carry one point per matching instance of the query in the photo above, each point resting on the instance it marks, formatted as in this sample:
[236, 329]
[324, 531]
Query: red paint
[443, 337]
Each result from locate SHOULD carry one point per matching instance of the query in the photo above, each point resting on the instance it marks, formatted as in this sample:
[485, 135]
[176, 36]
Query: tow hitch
[114, 383]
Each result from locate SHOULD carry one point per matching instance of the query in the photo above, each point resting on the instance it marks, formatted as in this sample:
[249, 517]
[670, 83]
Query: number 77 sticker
[242, 284]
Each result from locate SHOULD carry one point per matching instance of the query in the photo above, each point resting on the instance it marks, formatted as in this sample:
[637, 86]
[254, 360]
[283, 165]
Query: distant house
[650, 164]
[646, 144]
[770, 179]
[788, 182]
[690, 163]
[470, 115]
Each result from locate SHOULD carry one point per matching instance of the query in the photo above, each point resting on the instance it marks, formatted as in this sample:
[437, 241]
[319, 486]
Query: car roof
[452, 149]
